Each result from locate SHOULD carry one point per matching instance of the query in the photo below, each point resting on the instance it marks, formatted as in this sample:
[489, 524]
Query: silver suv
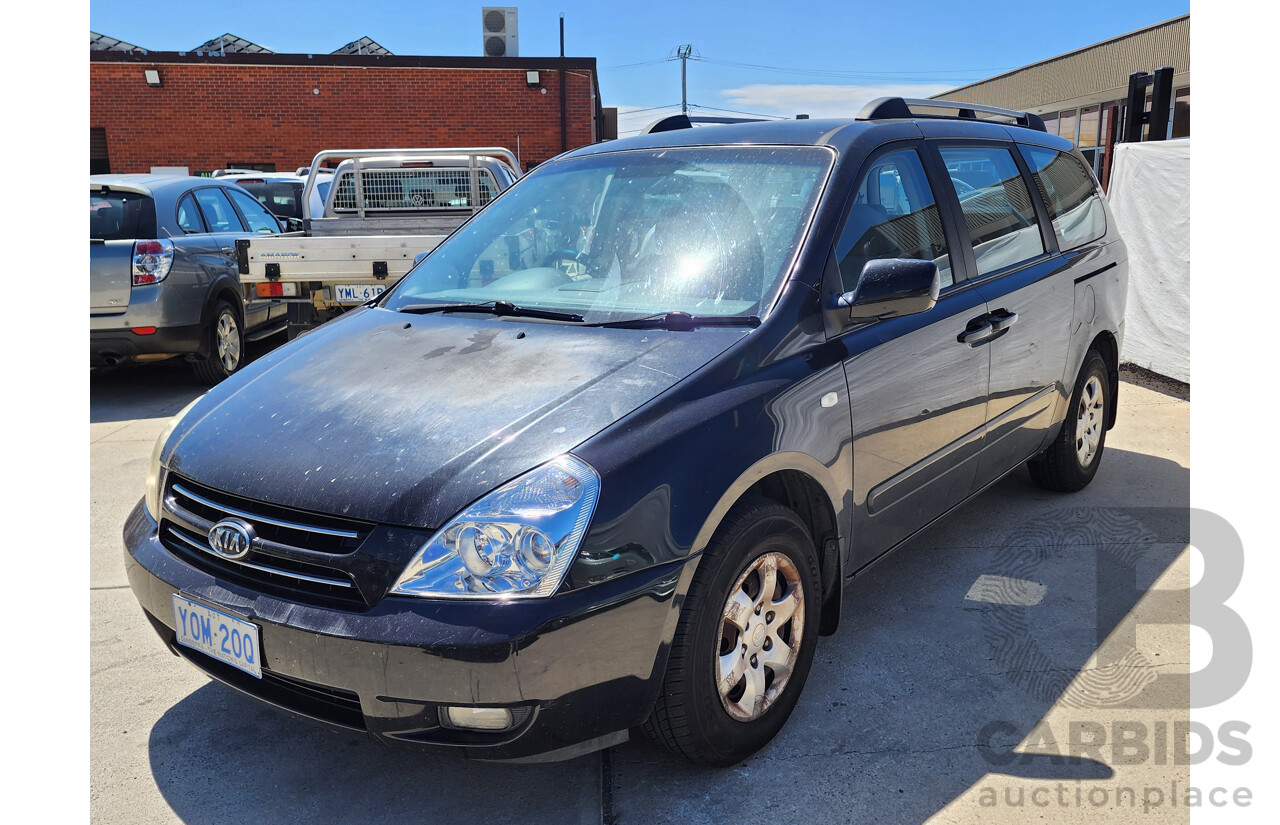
[163, 281]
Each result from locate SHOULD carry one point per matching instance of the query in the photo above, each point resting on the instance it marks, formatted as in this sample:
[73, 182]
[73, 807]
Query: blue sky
[817, 58]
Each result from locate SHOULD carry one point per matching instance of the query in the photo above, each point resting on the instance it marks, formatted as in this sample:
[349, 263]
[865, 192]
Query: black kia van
[605, 458]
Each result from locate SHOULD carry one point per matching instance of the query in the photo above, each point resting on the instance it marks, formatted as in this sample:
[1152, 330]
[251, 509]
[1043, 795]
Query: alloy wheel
[228, 337]
[1090, 420]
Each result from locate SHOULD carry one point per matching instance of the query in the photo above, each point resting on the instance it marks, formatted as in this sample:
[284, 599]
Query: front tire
[1072, 459]
[746, 638]
[226, 346]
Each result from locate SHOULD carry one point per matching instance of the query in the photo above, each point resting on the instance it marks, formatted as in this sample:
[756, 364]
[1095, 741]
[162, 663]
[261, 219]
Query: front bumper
[587, 665]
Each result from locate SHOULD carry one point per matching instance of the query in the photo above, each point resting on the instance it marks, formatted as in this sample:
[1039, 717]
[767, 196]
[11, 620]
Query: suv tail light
[152, 261]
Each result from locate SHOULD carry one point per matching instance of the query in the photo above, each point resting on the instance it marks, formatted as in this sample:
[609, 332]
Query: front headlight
[152, 499]
[516, 542]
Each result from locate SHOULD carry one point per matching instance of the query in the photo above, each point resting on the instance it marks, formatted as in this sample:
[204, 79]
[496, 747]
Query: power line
[736, 112]
[918, 74]
[636, 65]
[649, 109]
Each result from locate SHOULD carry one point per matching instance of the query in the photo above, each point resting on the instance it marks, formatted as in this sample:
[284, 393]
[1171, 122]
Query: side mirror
[290, 224]
[892, 288]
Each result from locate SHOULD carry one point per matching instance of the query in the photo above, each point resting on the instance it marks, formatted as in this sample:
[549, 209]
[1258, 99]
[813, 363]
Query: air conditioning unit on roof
[500, 37]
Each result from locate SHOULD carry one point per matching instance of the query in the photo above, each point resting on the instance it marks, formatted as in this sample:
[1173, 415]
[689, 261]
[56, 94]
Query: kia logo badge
[231, 538]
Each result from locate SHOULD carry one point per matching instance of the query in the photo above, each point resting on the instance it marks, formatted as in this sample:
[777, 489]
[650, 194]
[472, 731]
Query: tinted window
[217, 210]
[121, 215]
[188, 215]
[1068, 189]
[997, 207]
[259, 219]
[280, 198]
[894, 215]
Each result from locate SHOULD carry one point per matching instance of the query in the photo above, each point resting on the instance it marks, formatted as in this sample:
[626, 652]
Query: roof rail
[683, 121]
[886, 108]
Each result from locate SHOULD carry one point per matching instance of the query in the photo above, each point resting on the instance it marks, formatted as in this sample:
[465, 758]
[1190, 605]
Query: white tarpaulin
[1150, 196]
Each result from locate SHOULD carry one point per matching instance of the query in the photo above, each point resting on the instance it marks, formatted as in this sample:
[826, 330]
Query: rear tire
[226, 346]
[745, 640]
[1072, 459]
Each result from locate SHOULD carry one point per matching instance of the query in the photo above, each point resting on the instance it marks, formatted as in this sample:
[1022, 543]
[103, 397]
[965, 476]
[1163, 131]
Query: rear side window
[1071, 194]
[115, 216]
[217, 211]
[997, 207]
[259, 219]
[188, 216]
[894, 215]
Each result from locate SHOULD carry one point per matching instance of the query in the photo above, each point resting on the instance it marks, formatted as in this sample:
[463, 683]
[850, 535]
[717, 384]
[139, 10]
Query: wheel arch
[792, 480]
[1105, 344]
[223, 289]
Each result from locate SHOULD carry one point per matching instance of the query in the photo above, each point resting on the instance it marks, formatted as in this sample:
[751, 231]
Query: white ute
[385, 208]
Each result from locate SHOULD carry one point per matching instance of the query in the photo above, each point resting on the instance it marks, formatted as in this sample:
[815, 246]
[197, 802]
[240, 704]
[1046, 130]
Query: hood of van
[406, 419]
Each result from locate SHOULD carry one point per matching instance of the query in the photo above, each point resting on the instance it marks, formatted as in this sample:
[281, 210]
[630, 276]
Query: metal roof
[231, 44]
[102, 43]
[365, 45]
[1093, 69]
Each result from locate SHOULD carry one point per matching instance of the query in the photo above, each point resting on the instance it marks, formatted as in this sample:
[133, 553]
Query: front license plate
[357, 293]
[216, 634]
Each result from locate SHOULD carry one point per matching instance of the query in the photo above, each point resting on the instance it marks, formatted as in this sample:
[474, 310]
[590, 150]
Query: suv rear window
[1071, 195]
[115, 216]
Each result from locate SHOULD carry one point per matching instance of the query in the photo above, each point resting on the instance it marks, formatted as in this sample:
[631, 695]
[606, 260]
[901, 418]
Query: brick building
[275, 111]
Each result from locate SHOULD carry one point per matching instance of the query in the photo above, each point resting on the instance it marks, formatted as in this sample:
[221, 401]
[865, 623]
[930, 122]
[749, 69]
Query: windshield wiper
[681, 321]
[504, 308]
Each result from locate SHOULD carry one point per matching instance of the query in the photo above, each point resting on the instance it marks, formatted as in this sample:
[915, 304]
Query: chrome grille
[294, 555]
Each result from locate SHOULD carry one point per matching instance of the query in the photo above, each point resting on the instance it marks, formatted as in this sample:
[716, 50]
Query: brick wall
[208, 115]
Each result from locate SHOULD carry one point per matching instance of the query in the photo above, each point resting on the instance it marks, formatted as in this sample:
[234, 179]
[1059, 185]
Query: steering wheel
[575, 262]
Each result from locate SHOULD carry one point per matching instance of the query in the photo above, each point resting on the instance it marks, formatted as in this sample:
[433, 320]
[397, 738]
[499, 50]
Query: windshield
[707, 231]
[281, 198]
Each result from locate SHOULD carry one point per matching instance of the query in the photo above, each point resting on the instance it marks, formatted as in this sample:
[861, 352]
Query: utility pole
[564, 122]
[684, 53]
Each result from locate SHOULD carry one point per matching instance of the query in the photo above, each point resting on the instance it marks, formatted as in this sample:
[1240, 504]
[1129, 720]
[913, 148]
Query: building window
[1088, 127]
[99, 163]
[1051, 123]
[1182, 113]
[1067, 125]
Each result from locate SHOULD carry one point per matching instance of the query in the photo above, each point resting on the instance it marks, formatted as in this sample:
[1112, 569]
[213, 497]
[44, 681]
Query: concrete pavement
[1026, 622]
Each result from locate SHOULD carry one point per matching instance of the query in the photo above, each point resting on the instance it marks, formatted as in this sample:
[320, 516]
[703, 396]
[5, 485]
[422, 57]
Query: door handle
[1002, 319]
[980, 330]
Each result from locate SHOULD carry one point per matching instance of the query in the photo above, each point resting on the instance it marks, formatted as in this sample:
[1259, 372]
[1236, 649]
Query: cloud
[818, 99]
